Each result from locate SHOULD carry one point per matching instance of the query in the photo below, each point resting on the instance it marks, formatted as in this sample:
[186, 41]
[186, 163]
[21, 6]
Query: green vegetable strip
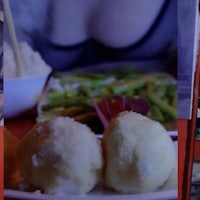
[127, 86]
[67, 102]
[55, 95]
[156, 113]
[163, 106]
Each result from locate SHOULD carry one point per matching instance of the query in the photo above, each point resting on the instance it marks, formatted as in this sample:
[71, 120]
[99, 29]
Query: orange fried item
[11, 173]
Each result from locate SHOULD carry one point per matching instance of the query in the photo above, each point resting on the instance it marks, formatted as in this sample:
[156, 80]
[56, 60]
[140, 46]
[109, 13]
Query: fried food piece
[61, 156]
[11, 173]
[139, 153]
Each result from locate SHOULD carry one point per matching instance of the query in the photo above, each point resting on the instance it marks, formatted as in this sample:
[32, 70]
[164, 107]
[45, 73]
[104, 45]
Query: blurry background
[71, 34]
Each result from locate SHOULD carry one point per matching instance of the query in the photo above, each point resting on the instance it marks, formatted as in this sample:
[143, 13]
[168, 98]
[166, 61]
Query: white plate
[164, 195]
[100, 193]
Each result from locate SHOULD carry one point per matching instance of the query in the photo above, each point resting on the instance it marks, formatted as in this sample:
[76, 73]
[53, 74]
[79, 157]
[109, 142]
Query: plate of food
[21, 189]
[31, 147]
[98, 135]
[64, 159]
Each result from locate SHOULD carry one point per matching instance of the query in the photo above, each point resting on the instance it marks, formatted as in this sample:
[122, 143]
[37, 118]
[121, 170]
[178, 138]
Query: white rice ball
[61, 157]
[139, 153]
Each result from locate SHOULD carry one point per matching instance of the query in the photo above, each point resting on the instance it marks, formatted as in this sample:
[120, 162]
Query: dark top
[157, 41]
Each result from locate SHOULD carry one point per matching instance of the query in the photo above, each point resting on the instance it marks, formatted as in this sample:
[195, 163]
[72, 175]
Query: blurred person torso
[71, 33]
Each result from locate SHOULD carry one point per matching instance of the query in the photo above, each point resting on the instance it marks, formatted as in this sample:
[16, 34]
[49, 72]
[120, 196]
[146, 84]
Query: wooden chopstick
[13, 37]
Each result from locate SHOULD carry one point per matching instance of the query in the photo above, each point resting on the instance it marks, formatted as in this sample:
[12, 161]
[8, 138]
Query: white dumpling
[61, 157]
[139, 154]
